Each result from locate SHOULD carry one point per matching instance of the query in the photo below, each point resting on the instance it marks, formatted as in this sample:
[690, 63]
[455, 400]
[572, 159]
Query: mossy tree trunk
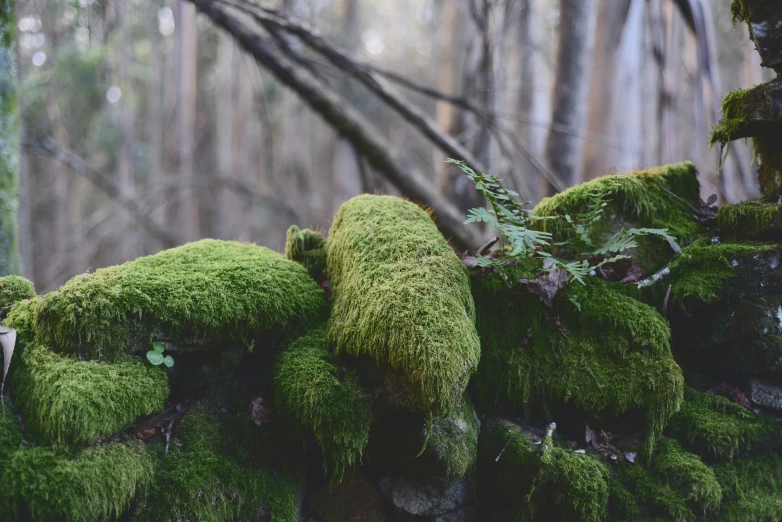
[9, 251]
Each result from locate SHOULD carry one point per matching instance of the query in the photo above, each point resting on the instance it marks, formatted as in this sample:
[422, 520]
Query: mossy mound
[752, 489]
[216, 476]
[527, 479]
[98, 483]
[754, 219]
[14, 289]
[325, 400]
[209, 290]
[453, 440]
[713, 426]
[308, 248]
[402, 297]
[66, 401]
[637, 199]
[611, 357]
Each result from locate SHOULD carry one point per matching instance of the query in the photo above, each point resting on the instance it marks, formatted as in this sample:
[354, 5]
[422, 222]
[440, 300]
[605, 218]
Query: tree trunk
[225, 136]
[9, 141]
[154, 125]
[574, 63]
[186, 111]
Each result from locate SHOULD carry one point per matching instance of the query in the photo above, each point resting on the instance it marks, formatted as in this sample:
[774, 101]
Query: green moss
[325, 399]
[209, 290]
[10, 436]
[67, 401]
[99, 483]
[14, 289]
[402, 296]
[732, 122]
[713, 426]
[526, 480]
[751, 489]
[22, 319]
[308, 248]
[454, 439]
[214, 478]
[637, 199]
[750, 219]
[769, 152]
[612, 357]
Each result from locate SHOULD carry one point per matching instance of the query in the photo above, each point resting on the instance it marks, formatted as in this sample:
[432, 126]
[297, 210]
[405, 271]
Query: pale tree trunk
[9, 141]
[446, 80]
[188, 218]
[574, 63]
[226, 201]
[154, 126]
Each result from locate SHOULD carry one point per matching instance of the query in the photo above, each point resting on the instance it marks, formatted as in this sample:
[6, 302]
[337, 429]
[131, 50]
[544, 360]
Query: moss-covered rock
[752, 489]
[98, 483]
[325, 400]
[209, 291]
[754, 219]
[454, 440]
[14, 289]
[402, 297]
[307, 247]
[611, 357]
[67, 401]
[760, 15]
[636, 199]
[22, 319]
[712, 426]
[216, 476]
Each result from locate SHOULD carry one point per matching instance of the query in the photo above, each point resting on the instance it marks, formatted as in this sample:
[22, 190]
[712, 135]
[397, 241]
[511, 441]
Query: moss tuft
[209, 290]
[611, 357]
[637, 199]
[10, 436]
[402, 296]
[733, 121]
[713, 426]
[213, 478]
[325, 399]
[99, 483]
[308, 248]
[454, 439]
[14, 289]
[67, 401]
[752, 489]
[757, 218]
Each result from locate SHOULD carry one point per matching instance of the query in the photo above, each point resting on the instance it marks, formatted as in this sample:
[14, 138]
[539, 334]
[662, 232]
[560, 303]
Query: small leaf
[158, 347]
[168, 361]
[155, 358]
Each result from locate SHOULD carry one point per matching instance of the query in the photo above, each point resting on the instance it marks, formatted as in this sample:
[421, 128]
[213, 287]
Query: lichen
[14, 289]
[637, 199]
[325, 399]
[215, 477]
[757, 218]
[402, 297]
[751, 489]
[209, 290]
[98, 483]
[66, 401]
[308, 248]
[611, 357]
[454, 439]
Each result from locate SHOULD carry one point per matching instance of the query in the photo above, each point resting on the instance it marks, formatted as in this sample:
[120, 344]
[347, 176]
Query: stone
[350, 501]
[425, 497]
[765, 393]
[465, 514]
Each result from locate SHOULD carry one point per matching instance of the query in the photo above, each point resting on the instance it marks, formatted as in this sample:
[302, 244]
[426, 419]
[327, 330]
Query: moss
[14, 289]
[9, 142]
[732, 122]
[751, 489]
[637, 199]
[22, 319]
[611, 357]
[677, 485]
[10, 436]
[214, 478]
[67, 401]
[454, 439]
[209, 290]
[757, 218]
[538, 480]
[308, 248]
[325, 399]
[402, 297]
[99, 483]
[713, 426]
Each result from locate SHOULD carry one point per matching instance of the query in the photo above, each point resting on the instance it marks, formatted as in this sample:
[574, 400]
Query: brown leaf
[732, 393]
[548, 283]
[259, 413]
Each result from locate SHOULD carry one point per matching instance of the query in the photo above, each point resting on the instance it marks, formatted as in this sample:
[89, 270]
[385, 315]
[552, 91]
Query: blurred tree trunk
[448, 39]
[9, 141]
[187, 212]
[225, 138]
[154, 126]
[574, 63]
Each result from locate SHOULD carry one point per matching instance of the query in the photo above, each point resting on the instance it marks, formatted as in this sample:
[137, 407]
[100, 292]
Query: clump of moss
[98, 483]
[10, 436]
[757, 218]
[325, 399]
[539, 480]
[215, 478]
[66, 401]
[677, 484]
[401, 296]
[14, 289]
[611, 357]
[637, 199]
[751, 489]
[209, 290]
[712, 425]
[733, 121]
[454, 439]
[308, 248]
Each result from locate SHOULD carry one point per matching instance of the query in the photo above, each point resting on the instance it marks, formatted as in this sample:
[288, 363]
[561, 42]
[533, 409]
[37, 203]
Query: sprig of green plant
[156, 357]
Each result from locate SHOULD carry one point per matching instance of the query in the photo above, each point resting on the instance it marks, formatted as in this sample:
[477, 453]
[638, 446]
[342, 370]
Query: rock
[350, 501]
[425, 497]
[764, 393]
[465, 514]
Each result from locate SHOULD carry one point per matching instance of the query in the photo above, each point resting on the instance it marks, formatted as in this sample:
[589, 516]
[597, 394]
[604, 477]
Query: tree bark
[9, 141]
[186, 111]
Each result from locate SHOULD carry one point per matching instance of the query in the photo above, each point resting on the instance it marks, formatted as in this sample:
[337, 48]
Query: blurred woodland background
[145, 125]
